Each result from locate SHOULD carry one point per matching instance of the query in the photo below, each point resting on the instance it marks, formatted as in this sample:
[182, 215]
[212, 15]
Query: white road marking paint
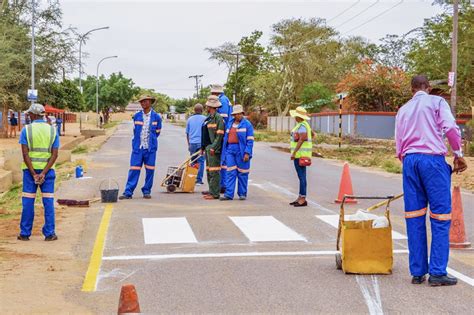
[460, 276]
[232, 255]
[371, 292]
[273, 187]
[167, 231]
[333, 220]
[265, 229]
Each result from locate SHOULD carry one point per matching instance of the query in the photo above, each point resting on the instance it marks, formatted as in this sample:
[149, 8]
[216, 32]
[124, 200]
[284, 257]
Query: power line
[373, 18]
[343, 11]
[358, 14]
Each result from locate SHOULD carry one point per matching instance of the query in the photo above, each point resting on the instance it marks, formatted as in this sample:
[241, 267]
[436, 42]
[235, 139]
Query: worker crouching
[237, 150]
[147, 128]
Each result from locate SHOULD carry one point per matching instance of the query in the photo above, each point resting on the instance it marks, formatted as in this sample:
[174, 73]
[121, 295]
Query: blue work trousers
[28, 203]
[301, 172]
[427, 180]
[237, 169]
[139, 158]
[193, 148]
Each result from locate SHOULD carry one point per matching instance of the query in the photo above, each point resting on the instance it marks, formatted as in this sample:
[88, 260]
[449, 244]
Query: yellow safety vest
[40, 138]
[306, 149]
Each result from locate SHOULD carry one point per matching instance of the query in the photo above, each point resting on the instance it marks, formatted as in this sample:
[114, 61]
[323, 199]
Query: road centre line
[90, 280]
[232, 255]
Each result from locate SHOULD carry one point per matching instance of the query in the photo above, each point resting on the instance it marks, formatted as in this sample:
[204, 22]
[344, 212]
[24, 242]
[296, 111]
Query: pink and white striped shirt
[421, 123]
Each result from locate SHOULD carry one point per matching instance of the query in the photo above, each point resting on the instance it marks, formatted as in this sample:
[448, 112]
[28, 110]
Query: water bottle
[79, 171]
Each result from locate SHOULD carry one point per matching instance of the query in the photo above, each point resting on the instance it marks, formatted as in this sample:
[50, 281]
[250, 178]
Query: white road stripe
[232, 255]
[460, 276]
[167, 231]
[265, 229]
[371, 293]
[333, 220]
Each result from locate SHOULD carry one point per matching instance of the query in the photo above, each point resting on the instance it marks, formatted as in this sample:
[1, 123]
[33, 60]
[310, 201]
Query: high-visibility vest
[306, 149]
[40, 138]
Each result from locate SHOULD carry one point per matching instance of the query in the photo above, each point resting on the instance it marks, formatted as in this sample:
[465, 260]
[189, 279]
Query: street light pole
[81, 39]
[97, 87]
[454, 56]
[33, 45]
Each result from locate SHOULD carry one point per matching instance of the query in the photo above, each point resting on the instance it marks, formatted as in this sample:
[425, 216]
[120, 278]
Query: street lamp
[33, 4]
[97, 87]
[81, 39]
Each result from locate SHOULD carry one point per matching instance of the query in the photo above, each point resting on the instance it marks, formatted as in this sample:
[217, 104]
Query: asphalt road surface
[185, 254]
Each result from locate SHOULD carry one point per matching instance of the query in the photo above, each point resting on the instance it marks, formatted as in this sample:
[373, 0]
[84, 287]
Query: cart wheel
[171, 188]
[338, 261]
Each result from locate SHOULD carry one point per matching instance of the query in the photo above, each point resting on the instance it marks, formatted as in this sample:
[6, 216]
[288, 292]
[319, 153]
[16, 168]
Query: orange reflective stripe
[220, 132]
[231, 168]
[224, 115]
[28, 195]
[415, 214]
[214, 169]
[211, 125]
[241, 170]
[250, 138]
[47, 195]
[150, 167]
[136, 168]
[242, 130]
[441, 217]
[155, 123]
[139, 123]
[224, 167]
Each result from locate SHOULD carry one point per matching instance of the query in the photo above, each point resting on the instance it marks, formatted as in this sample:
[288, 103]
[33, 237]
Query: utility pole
[196, 77]
[234, 98]
[33, 46]
[454, 56]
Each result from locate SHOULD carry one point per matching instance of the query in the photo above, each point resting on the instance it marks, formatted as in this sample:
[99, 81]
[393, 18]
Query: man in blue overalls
[225, 111]
[237, 151]
[39, 145]
[147, 128]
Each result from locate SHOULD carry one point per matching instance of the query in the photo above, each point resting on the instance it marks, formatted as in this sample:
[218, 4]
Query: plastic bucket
[110, 194]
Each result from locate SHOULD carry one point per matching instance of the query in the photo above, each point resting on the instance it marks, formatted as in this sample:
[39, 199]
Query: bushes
[258, 119]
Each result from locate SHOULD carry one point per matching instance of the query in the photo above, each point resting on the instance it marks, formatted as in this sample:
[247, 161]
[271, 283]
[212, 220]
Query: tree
[64, 95]
[162, 101]
[115, 93]
[394, 49]
[430, 53]
[315, 96]
[375, 87]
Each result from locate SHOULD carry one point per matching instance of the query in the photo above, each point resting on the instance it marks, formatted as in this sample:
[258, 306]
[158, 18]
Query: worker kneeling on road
[39, 145]
[147, 128]
[212, 135]
[419, 128]
[237, 149]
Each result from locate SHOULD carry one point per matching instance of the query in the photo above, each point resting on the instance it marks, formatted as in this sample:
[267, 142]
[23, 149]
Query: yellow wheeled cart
[182, 178]
[362, 248]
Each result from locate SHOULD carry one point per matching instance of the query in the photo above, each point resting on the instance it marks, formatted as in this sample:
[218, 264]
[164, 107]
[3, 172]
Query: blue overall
[225, 111]
[427, 180]
[143, 156]
[233, 154]
[29, 195]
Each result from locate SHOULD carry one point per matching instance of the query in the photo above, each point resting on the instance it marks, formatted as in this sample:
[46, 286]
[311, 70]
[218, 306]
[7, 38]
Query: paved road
[185, 254]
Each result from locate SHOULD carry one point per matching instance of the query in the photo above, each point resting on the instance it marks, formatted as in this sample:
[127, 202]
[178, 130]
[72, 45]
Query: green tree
[431, 53]
[315, 96]
[162, 101]
[64, 95]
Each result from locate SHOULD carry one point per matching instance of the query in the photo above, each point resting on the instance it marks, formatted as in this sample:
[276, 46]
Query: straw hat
[146, 97]
[213, 101]
[217, 88]
[237, 109]
[300, 112]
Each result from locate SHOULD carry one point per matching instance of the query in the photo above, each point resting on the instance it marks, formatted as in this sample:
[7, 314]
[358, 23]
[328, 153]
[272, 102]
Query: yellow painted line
[90, 281]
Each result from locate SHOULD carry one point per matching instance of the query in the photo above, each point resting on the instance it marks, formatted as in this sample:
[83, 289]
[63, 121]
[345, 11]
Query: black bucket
[109, 195]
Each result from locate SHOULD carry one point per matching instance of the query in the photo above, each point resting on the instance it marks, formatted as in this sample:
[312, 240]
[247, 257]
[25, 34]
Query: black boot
[436, 281]
[418, 279]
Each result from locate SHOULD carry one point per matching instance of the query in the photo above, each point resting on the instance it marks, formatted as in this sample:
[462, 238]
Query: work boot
[147, 196]
[23, 238]
[205, 192]
[51, 238]
[224, 198]
[210, 197]
[436, 281]
[418, 279]
[242, 198]
[125, 197]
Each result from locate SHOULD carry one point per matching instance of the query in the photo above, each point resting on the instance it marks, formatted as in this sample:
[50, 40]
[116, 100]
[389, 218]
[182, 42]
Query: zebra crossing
[256, 229]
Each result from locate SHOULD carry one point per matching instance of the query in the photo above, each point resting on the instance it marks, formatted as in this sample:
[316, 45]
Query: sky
[160, 43]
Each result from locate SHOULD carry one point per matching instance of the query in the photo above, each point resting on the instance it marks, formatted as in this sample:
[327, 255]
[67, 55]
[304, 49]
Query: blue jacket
[245, 135]
[226, 109]
[155, 129]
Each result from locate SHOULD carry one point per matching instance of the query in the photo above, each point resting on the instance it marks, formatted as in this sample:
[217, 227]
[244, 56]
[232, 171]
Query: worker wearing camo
[39, 145]
[213, 133]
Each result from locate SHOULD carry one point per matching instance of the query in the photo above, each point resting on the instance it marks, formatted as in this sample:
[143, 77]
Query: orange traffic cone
[457, 233]
[345, 187]
[128, 302]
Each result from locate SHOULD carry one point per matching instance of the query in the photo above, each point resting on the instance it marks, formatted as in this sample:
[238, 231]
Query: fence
[378, 125]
